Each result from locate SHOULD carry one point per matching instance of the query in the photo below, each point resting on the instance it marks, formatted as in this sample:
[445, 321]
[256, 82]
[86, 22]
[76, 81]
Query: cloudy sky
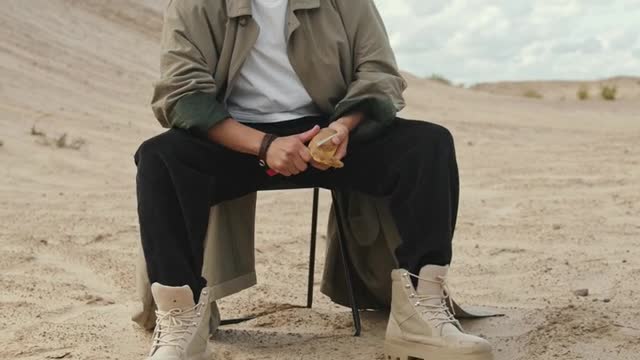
[485, 40]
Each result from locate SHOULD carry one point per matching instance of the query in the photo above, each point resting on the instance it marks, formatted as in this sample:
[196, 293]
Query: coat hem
[230, 287]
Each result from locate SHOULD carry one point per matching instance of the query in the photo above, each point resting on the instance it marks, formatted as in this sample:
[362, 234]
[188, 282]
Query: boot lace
[439, 313]
[173, 326]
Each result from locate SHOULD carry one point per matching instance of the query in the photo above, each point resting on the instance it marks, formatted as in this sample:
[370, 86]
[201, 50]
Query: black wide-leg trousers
[180, 176]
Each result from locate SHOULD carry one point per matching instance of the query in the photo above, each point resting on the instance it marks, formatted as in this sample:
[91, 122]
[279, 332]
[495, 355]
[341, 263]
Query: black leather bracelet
[264, 147]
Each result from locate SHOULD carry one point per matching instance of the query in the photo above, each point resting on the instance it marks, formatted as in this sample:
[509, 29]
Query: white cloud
[473, 40]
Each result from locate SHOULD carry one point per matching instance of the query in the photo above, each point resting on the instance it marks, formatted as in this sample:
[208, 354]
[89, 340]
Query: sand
[550, 204]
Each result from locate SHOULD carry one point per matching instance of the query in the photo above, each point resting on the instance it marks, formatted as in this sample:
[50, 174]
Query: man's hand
[289, 155]
[343, 127]
[341, 139]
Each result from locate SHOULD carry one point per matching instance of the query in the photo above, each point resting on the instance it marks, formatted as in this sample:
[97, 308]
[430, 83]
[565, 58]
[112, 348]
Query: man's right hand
[289, 155]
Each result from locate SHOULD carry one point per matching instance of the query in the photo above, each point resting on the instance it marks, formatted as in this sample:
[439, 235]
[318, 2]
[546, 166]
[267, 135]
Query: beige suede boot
[420, 324]
[182, 326]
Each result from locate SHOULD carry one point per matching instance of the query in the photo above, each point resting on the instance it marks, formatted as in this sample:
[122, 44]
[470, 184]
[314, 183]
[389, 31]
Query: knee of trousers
[150, 151]
[442, 136]
[434, 136]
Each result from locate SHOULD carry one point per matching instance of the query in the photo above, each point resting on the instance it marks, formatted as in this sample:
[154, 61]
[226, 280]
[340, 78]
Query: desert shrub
[441, 79]
[583, 93]
[63, 143]
[36, 132]
[532, 94]
[609, 92]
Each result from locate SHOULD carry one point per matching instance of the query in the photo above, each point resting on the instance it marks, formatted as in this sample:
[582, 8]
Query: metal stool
[312, 256]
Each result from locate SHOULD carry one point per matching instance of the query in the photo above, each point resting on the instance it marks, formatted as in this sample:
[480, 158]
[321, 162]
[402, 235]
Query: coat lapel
[294, 5]
[237, 8]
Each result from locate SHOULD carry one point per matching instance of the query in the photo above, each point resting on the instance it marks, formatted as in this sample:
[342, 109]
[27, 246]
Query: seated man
[245, 85]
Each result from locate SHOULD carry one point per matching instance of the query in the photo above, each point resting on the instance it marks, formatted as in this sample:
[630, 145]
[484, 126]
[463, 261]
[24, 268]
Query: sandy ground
[550, 204]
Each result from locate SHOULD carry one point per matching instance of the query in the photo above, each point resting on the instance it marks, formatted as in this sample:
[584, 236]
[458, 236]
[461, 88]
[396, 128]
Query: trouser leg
[414, 164]
[179, 178]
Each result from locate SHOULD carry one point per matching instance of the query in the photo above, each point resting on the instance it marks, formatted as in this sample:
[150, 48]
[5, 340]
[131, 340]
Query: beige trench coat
[341, 53]
[338, 48]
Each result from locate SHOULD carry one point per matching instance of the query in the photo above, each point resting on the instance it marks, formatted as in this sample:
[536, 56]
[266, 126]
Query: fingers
[306, 136]
[298, 158]
[292, 170]
[299, 164]
[341, 151]
[305, 155]
[342, 133]
[319, 166]
[339, 139]
[294, 158]
[289, 156]
[292, 166]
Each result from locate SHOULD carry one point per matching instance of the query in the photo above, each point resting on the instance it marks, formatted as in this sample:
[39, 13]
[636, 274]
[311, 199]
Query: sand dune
[550, 204]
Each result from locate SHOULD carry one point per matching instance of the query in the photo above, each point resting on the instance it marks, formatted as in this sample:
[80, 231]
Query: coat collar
[237, 8]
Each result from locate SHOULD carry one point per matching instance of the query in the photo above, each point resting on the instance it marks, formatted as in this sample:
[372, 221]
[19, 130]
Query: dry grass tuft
[441, 79]
[532, 94]
[61, 142]
[609, 92]
[75, 144]
[36, 132]
[583, 93]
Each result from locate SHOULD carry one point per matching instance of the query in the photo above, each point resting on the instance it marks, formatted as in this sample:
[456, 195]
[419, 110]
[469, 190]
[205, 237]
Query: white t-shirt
[267, 88]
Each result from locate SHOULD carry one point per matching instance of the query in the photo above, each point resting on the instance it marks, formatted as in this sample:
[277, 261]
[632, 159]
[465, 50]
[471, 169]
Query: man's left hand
[341, 139]
[343, 127]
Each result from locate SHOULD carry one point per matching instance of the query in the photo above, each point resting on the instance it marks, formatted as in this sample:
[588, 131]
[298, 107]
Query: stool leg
[312, 247]
[347, 266]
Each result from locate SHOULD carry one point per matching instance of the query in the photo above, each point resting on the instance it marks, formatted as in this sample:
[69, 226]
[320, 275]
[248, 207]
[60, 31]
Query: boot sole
[405, 350]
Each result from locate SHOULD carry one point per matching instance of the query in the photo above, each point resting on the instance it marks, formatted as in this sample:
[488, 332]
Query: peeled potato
[325, 153]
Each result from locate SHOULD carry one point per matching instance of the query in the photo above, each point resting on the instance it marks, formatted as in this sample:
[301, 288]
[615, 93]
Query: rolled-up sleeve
[186, 94]
[377, 84]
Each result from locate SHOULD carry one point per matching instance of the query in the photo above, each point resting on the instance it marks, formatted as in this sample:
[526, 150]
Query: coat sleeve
[186, 94]
[377, 86]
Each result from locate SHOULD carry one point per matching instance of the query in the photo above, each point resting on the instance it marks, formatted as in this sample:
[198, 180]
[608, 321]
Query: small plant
[609, 92]
[36, 132]
[441, 79]
[583, 93]
[62, 143]
[532, 94]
